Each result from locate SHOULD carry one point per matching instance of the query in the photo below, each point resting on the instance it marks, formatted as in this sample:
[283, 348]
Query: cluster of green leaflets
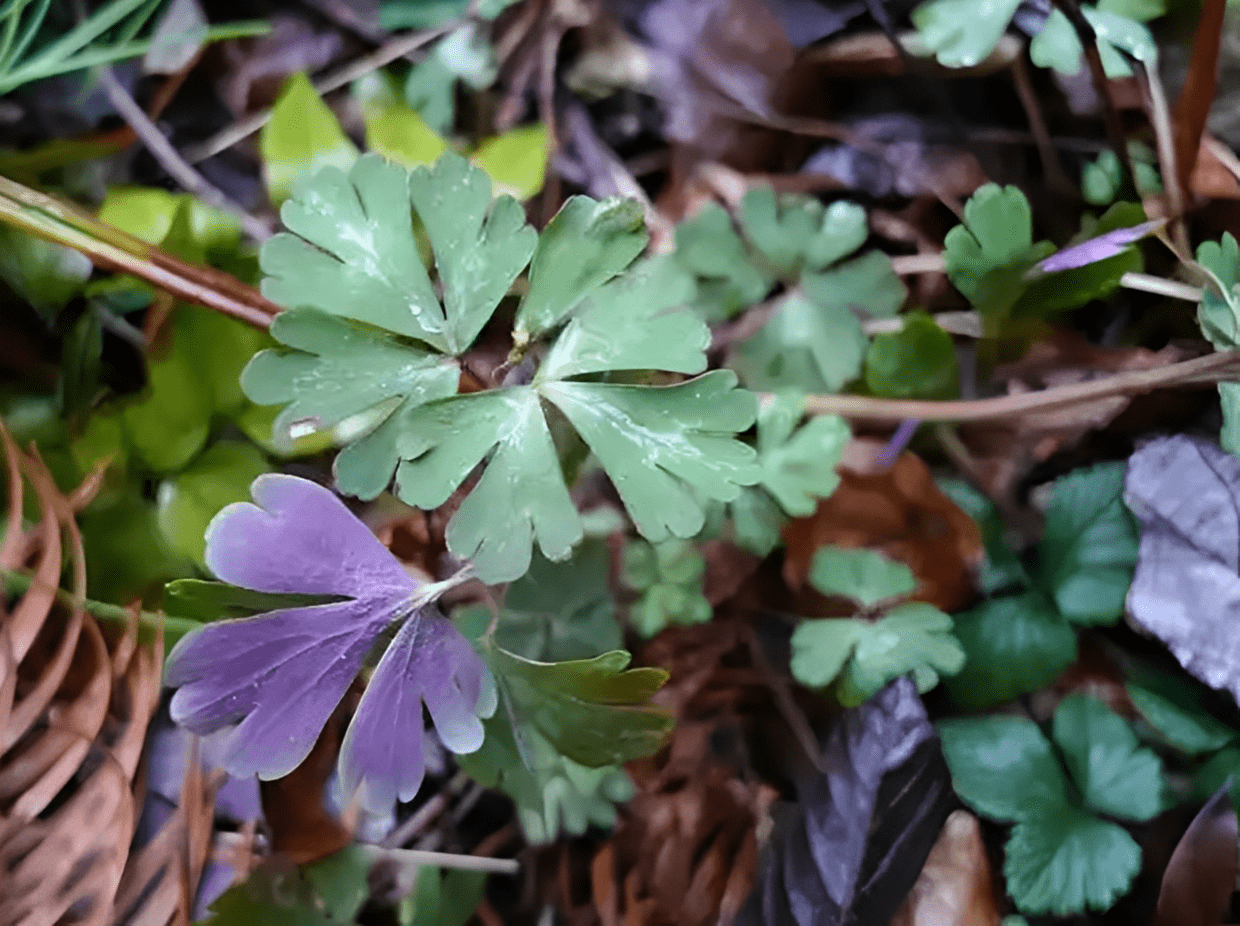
[366, 332]
[1022, 636]
[963, 33]
[1219, 317]
[888, 637]
[992, 259]
[563, 730]
[1061, 856]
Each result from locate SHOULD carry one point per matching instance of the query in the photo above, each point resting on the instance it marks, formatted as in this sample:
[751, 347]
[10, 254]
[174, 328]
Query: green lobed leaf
[669, 576]
[821, 648]
[865, 576]
[757, 521]
[1171, 707]
[912, 638]
[301, 136]
[962, 33]
[730, 281]
[1002, 766]
[916, 362]
[189, 500]
[1219, 311]
[867, 285]
[1062, 860]
[1057, 45]
[798, 467]
[1013, 646]
[1117, 776]
[443, 897]
[792, 231]
[586, 244]
[803, 346]
[1089, 547]
[593, 711]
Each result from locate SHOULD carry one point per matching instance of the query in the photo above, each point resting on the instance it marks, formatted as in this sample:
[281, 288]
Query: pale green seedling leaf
[350, 251]
[336, 368]
[912, 638]
[188, 501]
[1089, 547]
[521, 496]
[596, 712]
[583, 246]
[798, 468]
[729, 279]
[1116, 775]
[301, 136]
[1014, 645]
[1002, 766]
[1062, 860]
[395, 130]
[516, 161]
[795, 231]
[1219, 311]
[865, 576]
[804, 346]
[665, 448]
[962, 33]
[669, 576]
[821, 649]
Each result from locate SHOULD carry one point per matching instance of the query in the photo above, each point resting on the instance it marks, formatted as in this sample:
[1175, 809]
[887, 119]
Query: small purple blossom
[1095, 249]
[278, 676]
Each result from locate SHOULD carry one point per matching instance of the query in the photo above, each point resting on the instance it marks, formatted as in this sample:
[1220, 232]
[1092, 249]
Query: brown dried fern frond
[76, 700]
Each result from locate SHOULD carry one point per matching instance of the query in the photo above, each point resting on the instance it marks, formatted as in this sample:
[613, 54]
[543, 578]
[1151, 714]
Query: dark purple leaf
[861, 833]
[1186, 589]
[279, 675]
[1198, 882]
[1095, 249]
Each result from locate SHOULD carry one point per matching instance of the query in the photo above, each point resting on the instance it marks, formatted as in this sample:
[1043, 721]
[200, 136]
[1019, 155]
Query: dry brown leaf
[955, 887]
[900, 511]
[1200, 878]
[75, 704]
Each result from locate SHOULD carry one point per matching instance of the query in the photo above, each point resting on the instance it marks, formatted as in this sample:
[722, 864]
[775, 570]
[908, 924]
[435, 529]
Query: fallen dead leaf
[1200, 878]
[956, 887]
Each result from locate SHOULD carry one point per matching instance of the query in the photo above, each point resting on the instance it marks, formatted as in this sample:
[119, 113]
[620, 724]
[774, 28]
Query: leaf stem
[1212, 368]
[422, 857]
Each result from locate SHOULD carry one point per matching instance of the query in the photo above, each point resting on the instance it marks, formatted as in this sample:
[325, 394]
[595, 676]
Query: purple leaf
[1095, 249]
[281, 674]
[429, 661]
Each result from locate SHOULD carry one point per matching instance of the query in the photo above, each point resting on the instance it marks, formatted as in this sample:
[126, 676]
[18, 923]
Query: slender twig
[171, 161]
[1051, 165]
[1147, 283]
[384, 55]
[1155, 99]
[1220, 367]
[421, 857]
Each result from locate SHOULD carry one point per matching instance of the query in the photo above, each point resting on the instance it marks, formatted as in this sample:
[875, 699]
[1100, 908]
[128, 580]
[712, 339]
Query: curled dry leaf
[75, 704]
[1198, 882]
[900, 511]
[955, 888]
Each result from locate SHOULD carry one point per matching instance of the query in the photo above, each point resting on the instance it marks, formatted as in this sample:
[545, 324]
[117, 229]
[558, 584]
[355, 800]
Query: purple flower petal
[300, 537]
[283, 672]
[1096, 249]
[429, 662]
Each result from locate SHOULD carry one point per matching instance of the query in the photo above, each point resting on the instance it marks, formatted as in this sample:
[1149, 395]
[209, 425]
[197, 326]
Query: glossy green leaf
[189, 500]
[729, 279]
[443, 897]
[916, 362]
[335, 368]
[1170, 707]
[516, 161]
[168, 424]
[586, 244]
[301, 136]
[148, 213]
[46, 275]
[593, 711]
[1002, 766]
[865, 576]
[1219, 311]
[1013, 646]
[803, 346]
[798, 467]
[669, 576]
[395, 130]
[962, 33]
[221, 347]
[1089, 547]
[1214, 773]
[1117, 776]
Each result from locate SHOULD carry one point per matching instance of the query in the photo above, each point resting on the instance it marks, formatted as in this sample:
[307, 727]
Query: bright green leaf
[867, 285]
[301, 136]
[865, 576]
[516, 161]
[1062, 860]
[798, 468]
[794, 231]
[1117, 776]
[912, 638]
[443, 897]
[1089, 548]
[1219, 311]
[1014, 645]
[729, 280]
[669, 576]
[803, 346]
[395, 130]
[583, 246]
[916, 362]
[169, 423]
[962, 33]
[1002, 766]
[46, 275]
[188, 501]
[1170, 707]
[593, 711]
[821, 649]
